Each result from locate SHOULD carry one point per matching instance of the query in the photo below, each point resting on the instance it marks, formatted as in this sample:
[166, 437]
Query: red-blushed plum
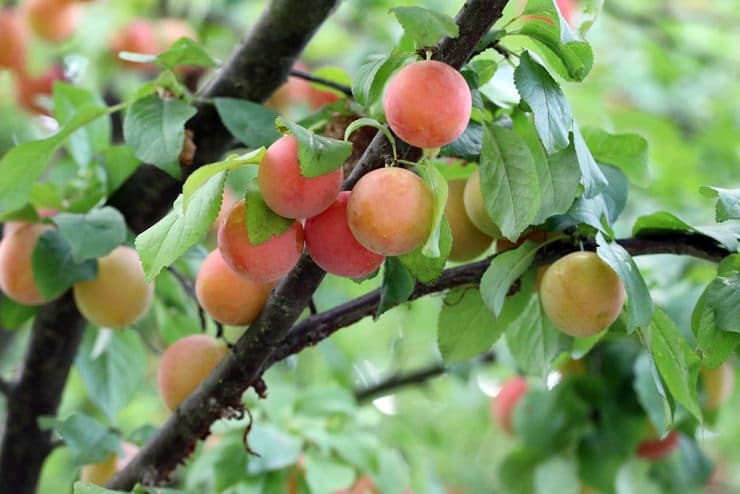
[100, 473]
[171, 29]
[476, 209]
[29, 88]
[428, 104]
[139, 36]
[655, 448]
[468, 241]
[119, 295]
[289, 193]
[264, 262]
[51, 20]
[581, 294]
[332, 246]
[390, 211]
[185, 364]
[297, 91]
[228, 199]
[13, 40]
[16, 271]
[503, 404]
[226, 296]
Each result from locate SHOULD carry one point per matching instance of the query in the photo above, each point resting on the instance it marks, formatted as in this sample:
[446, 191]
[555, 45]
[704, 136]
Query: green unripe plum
[289, 193]
[504, 403]
[468, 241]
[581, 294]
[13, 40]
[100, 473]
[332, 246]
[390, 211]
[475, 207]
[226, 296]
[428, 104]
[185, 364]
[16, 268]
[119, 295]
[265, 262]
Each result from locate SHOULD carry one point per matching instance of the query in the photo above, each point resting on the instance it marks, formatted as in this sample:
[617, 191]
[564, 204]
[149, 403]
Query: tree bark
[55, 337]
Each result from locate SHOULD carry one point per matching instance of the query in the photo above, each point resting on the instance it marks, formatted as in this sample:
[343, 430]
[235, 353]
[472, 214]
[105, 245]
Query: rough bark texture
[55, 336]
[246, 363]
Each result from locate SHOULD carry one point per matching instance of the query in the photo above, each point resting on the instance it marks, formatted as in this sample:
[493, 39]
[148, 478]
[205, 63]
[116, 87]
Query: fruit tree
[369, 246]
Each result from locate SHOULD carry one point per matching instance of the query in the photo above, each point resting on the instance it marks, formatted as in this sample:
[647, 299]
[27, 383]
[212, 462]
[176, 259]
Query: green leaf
[325, 475]
[533, 341]
[676, 361]
[81, 487]
[504, 269]
[508, 181]
[119, 162]
[723, 296]
[185, 51]
[13, 314]
[425, 27]
[317, 155]
[558, 175]
[427, 269]
[547, 421]
[162, 243]
[516, 471]
[112, 365]
[569, 55]
[639, 303]
[88, 440]
[557, 475]
[628, 152]
[54, 267]
[438, 185]
[650, 393]
[94, 137]
[249, 122]
[262, 222]
[94, 234]
[276, 449]
[713, 345]
[466, 327]
[155, 130]
[593, 179]
[602, 210]
[25, 163]
[728, 202]
[552, 114]
[204, 173]
[371, 78]
[398, 285]
[468, 145]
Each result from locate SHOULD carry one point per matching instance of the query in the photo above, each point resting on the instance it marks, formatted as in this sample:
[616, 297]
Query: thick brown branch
[55, 336]
[249, 356]
[419, 376]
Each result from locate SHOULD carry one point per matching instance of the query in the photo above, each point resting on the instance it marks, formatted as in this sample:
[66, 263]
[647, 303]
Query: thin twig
[312, 307]
[419, 376]
[189, 288]
[346, 90]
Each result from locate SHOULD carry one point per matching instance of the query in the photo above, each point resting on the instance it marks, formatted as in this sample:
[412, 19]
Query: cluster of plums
[55, 21]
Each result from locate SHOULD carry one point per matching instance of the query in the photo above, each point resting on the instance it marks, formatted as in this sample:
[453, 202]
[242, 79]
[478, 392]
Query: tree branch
[315, 329]
[55, 337]
[5, 387]
[320, 80]
[247, 361]
[419, 376]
